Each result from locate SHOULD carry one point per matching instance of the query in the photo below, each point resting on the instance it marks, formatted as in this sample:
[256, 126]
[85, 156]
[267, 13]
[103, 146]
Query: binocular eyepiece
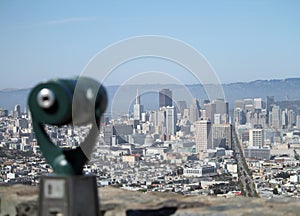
[65, 101]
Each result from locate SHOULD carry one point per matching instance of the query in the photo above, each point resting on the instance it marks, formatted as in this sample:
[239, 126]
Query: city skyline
[198, 148]
[242, 41]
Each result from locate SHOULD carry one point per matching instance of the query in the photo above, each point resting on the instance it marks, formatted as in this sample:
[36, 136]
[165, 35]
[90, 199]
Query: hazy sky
[242, 40]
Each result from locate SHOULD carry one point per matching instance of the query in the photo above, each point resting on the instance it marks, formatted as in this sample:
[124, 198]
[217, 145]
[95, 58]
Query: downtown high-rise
[165, 98]
[203, 135]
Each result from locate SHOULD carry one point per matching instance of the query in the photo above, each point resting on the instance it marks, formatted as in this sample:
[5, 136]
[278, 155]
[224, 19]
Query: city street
[244, 176]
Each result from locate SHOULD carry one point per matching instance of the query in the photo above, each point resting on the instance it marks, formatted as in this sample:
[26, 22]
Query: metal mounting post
[61, 102]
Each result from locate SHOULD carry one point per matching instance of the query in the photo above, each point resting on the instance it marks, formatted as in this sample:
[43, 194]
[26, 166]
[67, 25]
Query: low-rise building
[200, 171]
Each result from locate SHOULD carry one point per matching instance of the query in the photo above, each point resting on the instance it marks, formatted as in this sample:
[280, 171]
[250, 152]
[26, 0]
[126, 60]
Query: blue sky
[242, 40]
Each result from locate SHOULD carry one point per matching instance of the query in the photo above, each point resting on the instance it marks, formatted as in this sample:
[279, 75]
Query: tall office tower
[298, 121]
[262, 118]
[181, 105]
[270, 103]
[258, 117]
[210, 110]
[284, 118]
[108, 132]
[203, 136]
[17, 111]
[221, 136]
[238, 108]
[219, 106]
[158, 120]
[165, 98]
[194, 111]
[249, 107]
[276, 117]
[258, 104]
[256, 137]
[160, 127]
[217, 118]
[145, 117]
[137, 107]
[171, 120]
[152, 117]
[240, 116]
[291, 118]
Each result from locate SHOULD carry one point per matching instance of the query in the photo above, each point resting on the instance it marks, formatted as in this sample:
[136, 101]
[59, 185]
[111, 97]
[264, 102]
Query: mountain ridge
[281, 89]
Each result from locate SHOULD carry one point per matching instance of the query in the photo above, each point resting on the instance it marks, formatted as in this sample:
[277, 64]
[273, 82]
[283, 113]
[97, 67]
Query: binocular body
[62, 102]
[65, 101]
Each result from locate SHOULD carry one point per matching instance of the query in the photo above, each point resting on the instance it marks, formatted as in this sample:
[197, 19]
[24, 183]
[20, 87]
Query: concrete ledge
[22, 201]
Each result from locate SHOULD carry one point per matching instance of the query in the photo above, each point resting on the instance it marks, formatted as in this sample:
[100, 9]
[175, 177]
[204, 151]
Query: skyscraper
[137, 108]
[218, 106]
[217, 118]
[165, 98]
[249, 105]
[194, 111]
[284, 118]
[158, 119]
[221, 106]
[276, 117]
[108, 132]
[210, 110]
[298, 121]
[258, 103]
[270, 102]
[203, 136]
[170, 113]
[239, 116]
[291, 118]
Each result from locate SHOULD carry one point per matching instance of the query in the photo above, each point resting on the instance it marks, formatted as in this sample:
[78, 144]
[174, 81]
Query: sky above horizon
[242, 40]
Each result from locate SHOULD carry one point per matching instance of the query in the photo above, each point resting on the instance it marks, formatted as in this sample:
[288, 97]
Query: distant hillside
[286, 89]
[9, 98]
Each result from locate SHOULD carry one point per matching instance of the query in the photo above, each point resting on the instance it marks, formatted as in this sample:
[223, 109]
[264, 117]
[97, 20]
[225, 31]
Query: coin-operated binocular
[61, 102]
